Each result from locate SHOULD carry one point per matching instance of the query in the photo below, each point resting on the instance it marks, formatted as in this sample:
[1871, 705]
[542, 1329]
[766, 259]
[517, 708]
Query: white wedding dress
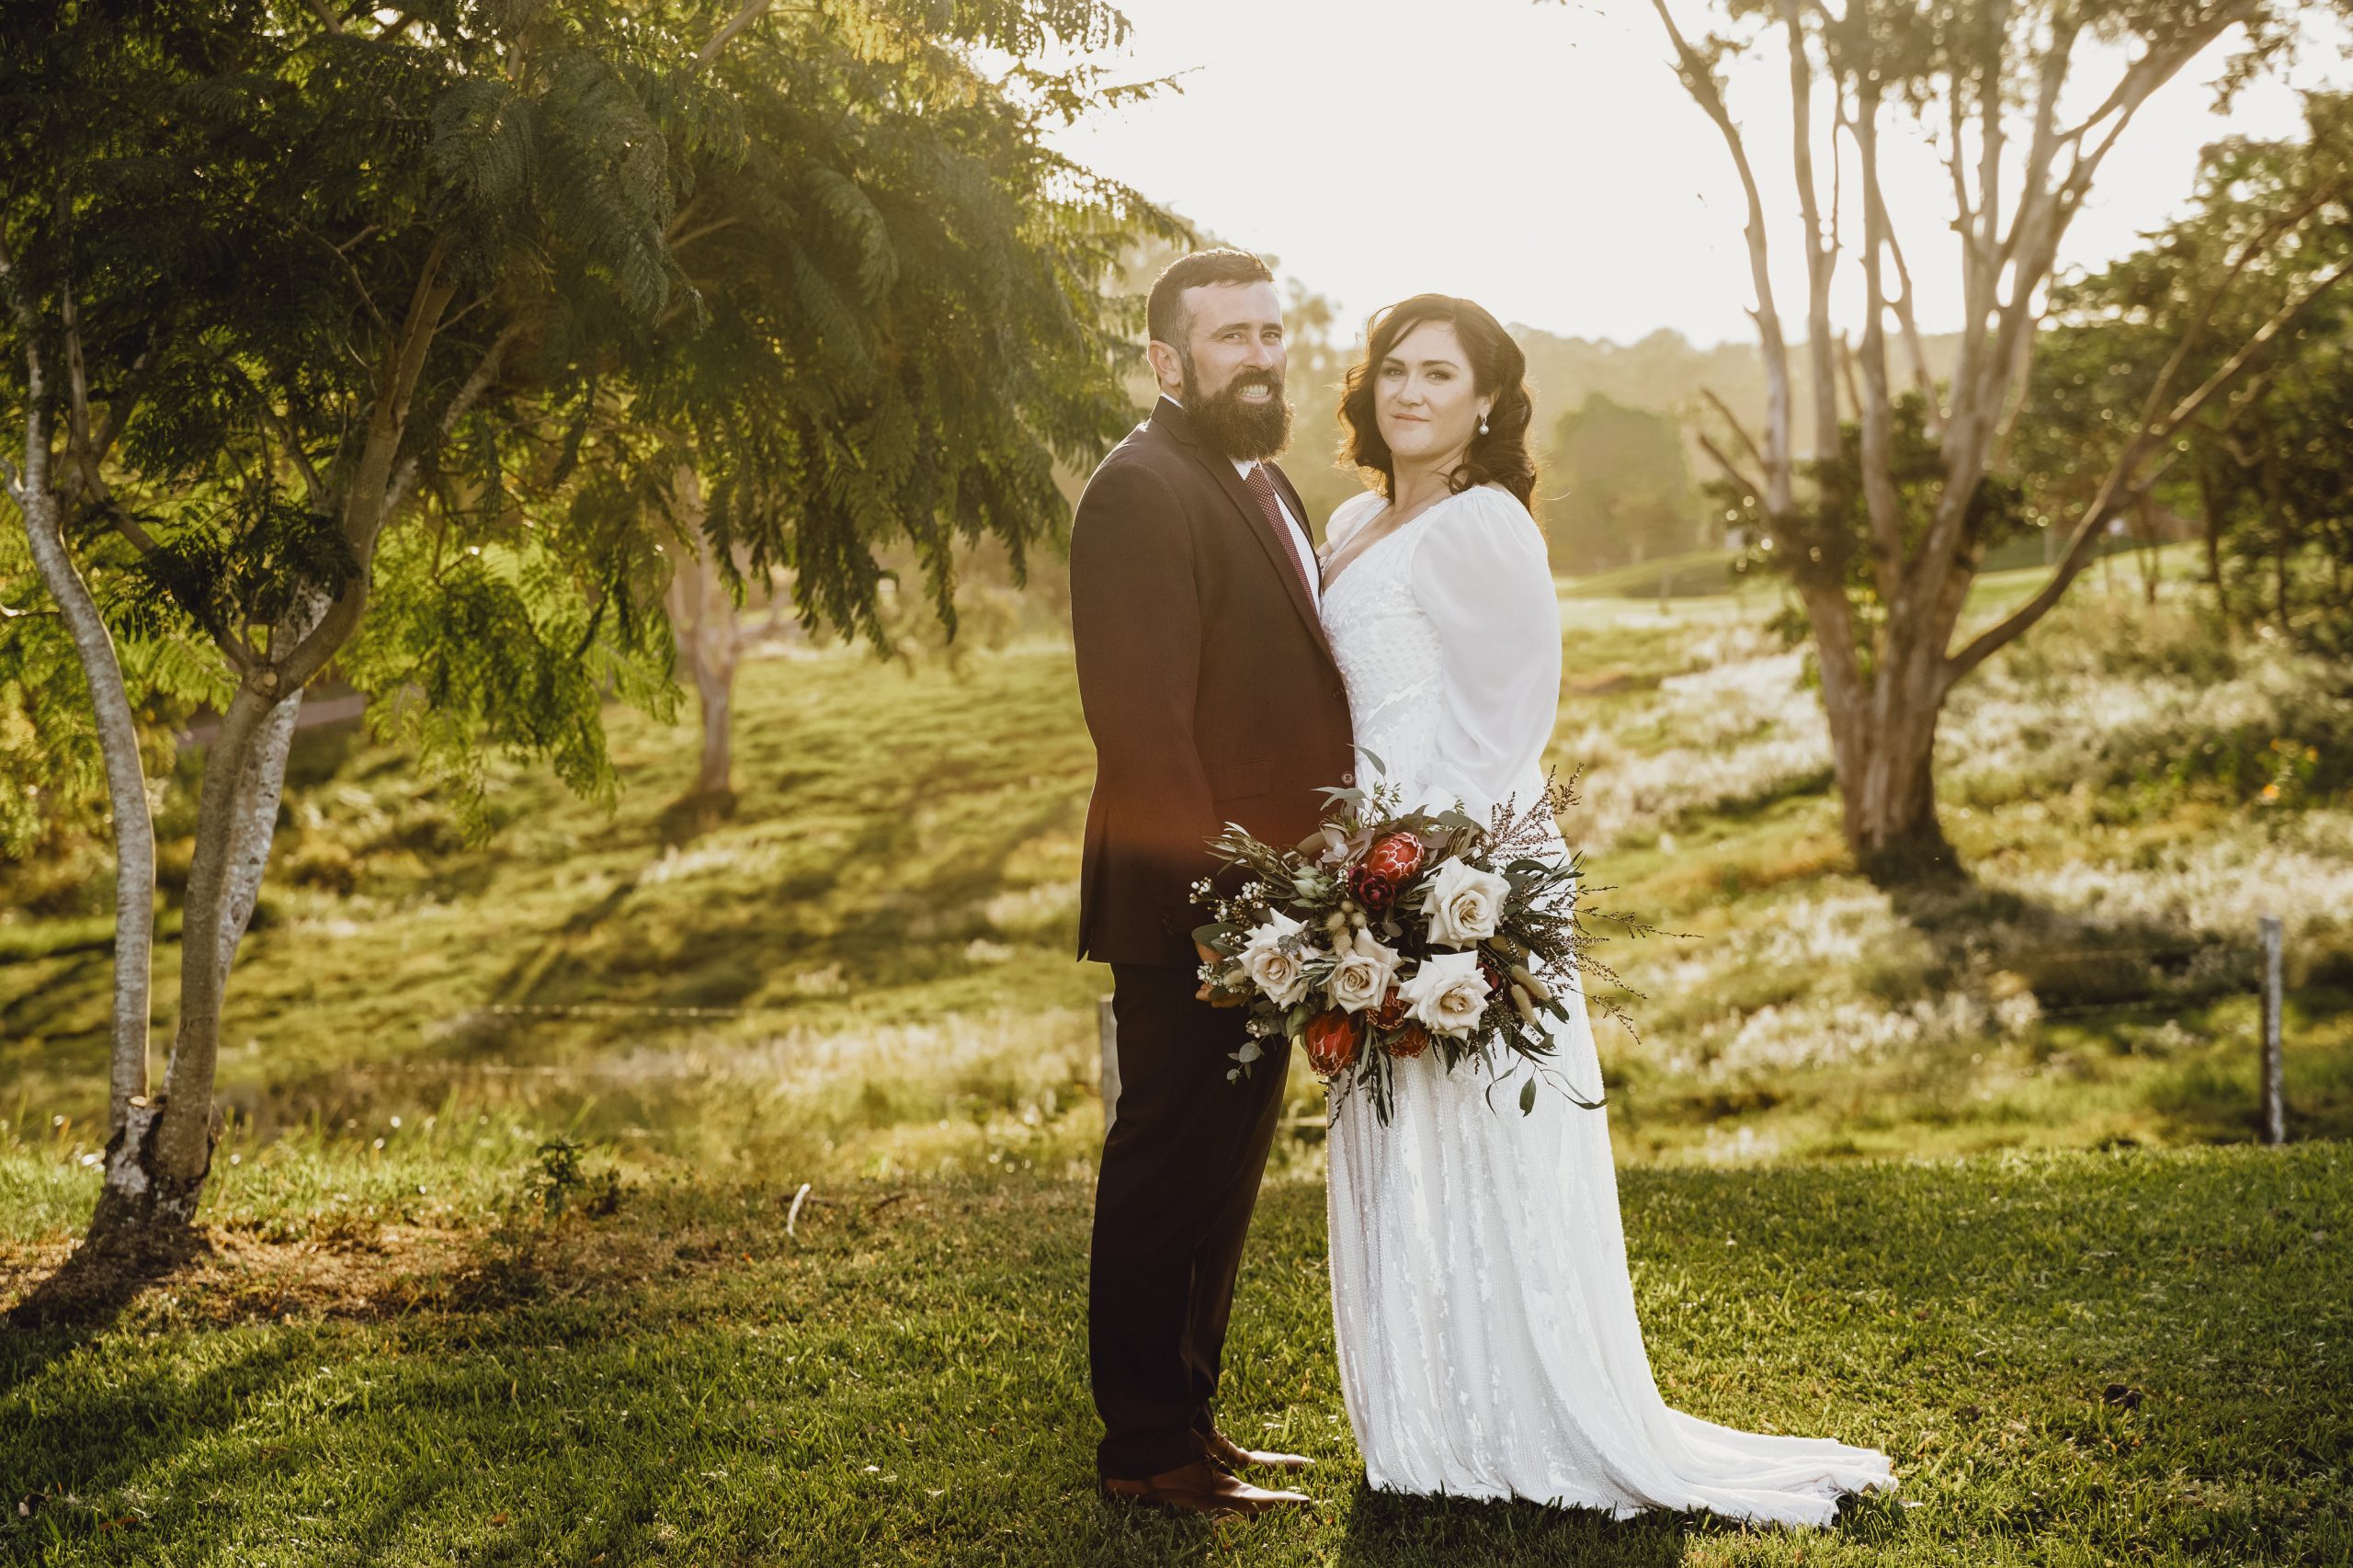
[1488, 1344]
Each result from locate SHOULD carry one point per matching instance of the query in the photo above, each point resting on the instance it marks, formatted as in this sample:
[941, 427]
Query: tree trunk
[259, 788]
[715, 693]
[1888, 802]
[133, 823]
[704, 620]
[1883, 728]
[2209, 505]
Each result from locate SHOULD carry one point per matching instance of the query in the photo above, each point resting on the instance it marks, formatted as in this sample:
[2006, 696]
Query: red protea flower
[1386, 867]
[1373, 890]
[1331, 1039]
[1391, 1011]
[1413, 1042]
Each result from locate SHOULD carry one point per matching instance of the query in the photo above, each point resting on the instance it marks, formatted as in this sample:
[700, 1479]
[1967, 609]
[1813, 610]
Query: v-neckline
[1333, 582]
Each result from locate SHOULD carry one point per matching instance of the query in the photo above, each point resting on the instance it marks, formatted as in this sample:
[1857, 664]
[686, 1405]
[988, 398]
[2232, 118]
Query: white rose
[1465, 905]
[1446, 994]
[1362, 978]
[1270, 957]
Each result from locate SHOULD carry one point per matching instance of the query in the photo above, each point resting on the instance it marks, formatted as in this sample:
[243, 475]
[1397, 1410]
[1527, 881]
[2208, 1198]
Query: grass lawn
[1965, 1175]
[873, 954]
[433, 1355]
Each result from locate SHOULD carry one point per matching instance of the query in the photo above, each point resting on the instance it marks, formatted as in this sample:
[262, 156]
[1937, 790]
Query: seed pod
[1536, 988]
[1520, 999]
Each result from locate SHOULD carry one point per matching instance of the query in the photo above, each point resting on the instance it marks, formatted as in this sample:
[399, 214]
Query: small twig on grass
[793, 1218]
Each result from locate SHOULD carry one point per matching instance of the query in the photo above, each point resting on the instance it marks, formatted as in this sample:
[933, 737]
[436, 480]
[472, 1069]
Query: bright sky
[1543, 159]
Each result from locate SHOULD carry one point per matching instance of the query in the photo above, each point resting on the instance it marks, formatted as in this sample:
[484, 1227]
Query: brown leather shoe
[1233, 1456]
[1202, 1488]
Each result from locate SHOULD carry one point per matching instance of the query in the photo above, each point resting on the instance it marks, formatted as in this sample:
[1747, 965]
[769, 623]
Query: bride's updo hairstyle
[1498, 369]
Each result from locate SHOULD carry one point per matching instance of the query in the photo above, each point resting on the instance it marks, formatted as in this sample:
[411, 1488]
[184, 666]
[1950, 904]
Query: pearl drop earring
[1482, 425]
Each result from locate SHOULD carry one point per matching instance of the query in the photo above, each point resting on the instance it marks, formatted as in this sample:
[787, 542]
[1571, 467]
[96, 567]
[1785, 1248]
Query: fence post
[2275, 1110]
[1107, 1029]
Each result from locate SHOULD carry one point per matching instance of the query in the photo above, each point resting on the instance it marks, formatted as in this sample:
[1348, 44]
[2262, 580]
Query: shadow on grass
[720, 948]
[1385, 1528]
[2071, 960]
[82, 1297]
[99, 1435]
[1386, 1531]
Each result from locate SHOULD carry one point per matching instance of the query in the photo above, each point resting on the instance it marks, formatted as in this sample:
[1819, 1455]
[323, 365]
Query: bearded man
[1213, 698]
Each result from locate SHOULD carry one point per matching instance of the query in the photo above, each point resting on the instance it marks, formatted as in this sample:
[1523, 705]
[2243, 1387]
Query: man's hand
[1215, 996]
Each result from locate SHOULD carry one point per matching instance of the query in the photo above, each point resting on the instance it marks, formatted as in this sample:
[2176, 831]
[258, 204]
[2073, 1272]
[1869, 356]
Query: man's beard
[1247, 431]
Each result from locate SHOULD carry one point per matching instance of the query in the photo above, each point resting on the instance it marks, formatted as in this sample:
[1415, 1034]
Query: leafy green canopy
[406, 316]
[2269, 472]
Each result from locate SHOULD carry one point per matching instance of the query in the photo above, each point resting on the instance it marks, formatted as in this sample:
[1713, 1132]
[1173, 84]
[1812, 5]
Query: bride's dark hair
[1497, 368]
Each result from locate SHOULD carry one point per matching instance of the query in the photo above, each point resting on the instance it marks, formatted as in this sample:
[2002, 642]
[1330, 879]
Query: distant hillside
[1667, 373]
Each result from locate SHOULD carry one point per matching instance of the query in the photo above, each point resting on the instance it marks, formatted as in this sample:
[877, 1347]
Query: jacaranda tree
[319, 312]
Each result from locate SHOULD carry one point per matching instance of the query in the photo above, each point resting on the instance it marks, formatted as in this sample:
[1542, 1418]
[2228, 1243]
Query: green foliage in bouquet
[1388, 934]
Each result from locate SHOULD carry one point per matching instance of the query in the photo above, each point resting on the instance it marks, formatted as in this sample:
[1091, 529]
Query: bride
[1488, 1344]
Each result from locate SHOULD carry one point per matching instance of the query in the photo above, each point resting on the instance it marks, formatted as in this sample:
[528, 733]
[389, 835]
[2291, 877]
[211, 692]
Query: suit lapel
[1171, 416]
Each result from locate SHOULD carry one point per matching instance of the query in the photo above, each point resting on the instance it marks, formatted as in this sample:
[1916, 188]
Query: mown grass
[417, 1338]
[428, 1355]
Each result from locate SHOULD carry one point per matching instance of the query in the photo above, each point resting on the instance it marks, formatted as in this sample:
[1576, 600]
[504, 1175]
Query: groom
[1213, 698]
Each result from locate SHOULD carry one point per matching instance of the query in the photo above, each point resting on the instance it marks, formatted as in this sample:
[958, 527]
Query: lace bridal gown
[1487, 1337]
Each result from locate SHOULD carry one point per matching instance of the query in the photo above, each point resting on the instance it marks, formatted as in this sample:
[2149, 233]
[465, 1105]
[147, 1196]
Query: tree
[700, 601]
[1620, 487]
[1881, 565]
[905, 329]
[338, 300]
[2266, 469]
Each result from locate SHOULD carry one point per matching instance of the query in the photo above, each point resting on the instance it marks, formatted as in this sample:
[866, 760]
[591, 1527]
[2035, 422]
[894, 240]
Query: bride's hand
[1215, 996]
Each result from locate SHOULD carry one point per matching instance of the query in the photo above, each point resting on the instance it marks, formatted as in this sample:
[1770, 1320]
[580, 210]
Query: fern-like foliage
[508, 263]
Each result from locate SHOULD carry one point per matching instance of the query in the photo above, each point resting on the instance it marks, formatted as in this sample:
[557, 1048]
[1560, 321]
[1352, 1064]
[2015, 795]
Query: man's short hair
[1165, 316]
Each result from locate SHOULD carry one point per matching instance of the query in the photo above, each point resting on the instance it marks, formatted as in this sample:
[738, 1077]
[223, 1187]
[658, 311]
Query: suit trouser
[1171, 1205]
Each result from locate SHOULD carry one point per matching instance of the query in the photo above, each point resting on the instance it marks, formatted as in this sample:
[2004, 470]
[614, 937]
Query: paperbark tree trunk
[133, 822]
[156, 1169]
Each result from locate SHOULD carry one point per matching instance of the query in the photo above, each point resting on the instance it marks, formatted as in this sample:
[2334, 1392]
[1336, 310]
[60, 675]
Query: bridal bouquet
[1388, 934]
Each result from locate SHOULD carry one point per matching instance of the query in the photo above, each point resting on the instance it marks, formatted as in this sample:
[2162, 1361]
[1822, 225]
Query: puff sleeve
[1483, 577]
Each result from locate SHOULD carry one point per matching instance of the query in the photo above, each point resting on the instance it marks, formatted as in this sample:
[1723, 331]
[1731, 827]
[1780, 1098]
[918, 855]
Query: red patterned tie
[1264, 489]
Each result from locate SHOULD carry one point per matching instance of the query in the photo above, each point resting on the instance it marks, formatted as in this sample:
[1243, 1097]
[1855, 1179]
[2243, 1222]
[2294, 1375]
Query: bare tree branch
[1740, 431]
[1699, 78]
[1732, 470]
[1876, 409]
[1821, 258]
[313, 486]
[1847, 374]
[1915, 349]
[478, 381]
[735, 24]
[342, 254]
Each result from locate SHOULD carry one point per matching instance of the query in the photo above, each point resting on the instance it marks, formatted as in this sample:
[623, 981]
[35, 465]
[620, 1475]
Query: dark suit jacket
[1208, 689]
